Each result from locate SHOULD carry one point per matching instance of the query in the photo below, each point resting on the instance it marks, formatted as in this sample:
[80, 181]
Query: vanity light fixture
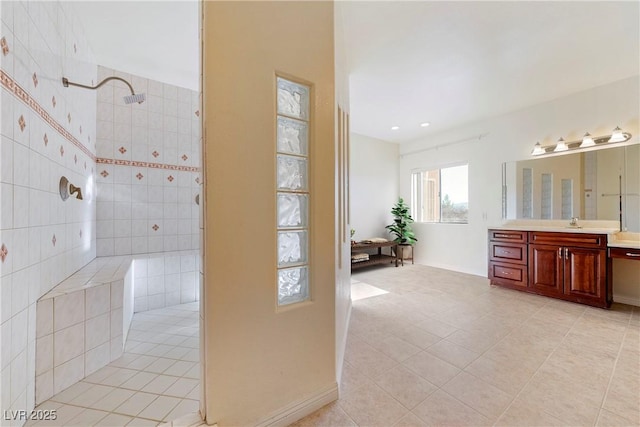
[587, 141]
[537, 149]
[618, 135]
[561, 146]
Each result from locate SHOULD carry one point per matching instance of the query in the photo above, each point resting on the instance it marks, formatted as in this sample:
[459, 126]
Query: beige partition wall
[265, 363]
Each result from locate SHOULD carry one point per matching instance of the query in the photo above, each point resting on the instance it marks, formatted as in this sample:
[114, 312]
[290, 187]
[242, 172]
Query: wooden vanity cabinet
[570, 266]
[508, 258]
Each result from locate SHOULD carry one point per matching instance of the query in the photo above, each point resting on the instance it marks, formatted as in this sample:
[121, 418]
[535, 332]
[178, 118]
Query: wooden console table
[377, 258]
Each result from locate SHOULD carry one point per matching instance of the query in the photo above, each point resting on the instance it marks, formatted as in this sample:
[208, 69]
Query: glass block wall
[527, 193]
[292, 164]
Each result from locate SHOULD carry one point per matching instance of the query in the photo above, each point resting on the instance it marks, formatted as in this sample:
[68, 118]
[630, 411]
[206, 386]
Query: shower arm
[66, 83]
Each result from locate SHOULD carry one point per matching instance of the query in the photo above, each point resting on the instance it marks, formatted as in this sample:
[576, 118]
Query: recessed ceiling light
[425, 124]
[395, 127]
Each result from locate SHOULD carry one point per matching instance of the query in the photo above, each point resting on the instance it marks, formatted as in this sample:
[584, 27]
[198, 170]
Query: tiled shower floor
[156, 379]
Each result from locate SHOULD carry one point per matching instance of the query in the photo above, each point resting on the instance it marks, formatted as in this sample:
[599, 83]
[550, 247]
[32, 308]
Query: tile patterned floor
[156, 380]
[445, 348]
[440, 348]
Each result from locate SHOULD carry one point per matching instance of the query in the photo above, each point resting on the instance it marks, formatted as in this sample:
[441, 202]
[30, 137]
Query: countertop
[615, 239]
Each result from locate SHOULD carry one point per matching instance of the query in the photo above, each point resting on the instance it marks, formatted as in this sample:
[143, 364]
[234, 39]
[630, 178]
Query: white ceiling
[446, 63]
[152, 39]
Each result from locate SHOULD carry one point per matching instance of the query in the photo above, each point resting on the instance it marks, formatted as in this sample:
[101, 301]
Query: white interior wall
[48, 131]
[374, 185]
[463, 247]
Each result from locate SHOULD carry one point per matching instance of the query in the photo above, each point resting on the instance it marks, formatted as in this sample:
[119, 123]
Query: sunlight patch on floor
[361, 290]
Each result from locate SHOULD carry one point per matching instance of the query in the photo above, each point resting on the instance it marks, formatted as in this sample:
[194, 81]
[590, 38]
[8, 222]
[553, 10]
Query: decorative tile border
[24, 96]
[135, 163]
[13, 87]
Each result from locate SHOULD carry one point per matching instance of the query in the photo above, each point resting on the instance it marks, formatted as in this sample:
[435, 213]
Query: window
[441, 195]
[292, 198]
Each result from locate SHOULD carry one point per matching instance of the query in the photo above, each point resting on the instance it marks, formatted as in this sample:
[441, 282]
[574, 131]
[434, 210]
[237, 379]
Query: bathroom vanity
[572, 264]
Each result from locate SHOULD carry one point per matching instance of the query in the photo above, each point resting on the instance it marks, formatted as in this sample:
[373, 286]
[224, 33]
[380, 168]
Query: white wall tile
[44, 354]
[97, 300]
[68, 343]
[68, 310]
[97, 331]
[44, 387]
[68, 374]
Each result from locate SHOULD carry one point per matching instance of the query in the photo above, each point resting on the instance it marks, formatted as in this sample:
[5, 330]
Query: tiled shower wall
[148, 168]
[47, 131]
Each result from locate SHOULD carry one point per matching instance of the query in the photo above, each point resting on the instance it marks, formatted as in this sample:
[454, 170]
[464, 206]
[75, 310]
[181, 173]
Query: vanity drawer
[512, 275]
[508, 252]
[625, 253]
[582, 240]
[508, 236]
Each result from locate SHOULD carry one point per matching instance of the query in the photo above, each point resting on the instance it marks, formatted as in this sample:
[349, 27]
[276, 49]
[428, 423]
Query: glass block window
[567, 198]
[292, 187]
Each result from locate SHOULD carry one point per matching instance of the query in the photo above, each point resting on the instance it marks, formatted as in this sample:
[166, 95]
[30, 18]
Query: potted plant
[401, 227]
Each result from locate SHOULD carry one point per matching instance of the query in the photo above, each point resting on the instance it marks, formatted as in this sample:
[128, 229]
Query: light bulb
[537, 149]
[587, 141]
[561, 146]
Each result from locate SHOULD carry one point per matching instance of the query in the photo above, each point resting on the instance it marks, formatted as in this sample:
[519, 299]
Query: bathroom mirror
[590, 185]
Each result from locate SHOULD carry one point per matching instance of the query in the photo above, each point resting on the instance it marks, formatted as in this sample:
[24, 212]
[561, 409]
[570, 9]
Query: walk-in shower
[129, 99]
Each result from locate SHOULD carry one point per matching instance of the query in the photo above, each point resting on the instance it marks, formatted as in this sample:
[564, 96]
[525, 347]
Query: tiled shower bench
[82, 323]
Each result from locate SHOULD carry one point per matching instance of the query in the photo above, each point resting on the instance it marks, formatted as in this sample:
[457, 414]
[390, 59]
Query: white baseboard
[626, 300]
[298, 410]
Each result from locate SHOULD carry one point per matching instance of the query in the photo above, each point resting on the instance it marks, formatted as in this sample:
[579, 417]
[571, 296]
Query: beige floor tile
[142, 422]
[479, 395]
[92, 395]
[509, 376]
[112, 400]
[431, 368]
[114, 420]
[118, 377]
[524, 414]
[437, 328]
[372, 406]
[135, 404]
[185, 407]
[66, 396]
[396, 348]
[416, 336]
[569, 401]
[181, 388]
[64, 414]
[159, 384]
[139, 380]
[442, 409]
[160, 408]
[453, 353]
[405, 386]
[160, 365]
[88, 417]
[352, 379]
[179, 368]
[609, 419]
[366, 359]
[623, 398]
[410, 420]
[477, 341]
[329, 415]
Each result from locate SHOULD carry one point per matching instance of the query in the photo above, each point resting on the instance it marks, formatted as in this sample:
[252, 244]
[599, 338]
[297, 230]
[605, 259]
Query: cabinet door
[546, 269]
[585, 273]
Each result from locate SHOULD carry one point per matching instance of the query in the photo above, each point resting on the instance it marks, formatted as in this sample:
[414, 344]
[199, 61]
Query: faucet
[75, 190]
[574, 221]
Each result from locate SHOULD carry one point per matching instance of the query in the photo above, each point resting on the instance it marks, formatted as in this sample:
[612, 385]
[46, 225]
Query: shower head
[129, 99]
[138, 97]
